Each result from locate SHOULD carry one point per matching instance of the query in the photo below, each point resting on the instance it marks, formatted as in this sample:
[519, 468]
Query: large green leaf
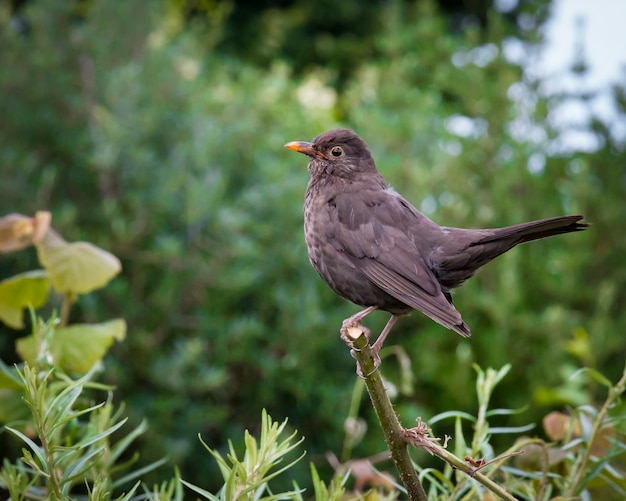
[78, 347]
[19, 292]
[77, 267]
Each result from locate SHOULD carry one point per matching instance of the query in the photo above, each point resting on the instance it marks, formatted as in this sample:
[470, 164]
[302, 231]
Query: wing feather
[372, 235]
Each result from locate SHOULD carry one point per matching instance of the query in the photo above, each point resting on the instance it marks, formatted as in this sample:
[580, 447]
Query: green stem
[69, 299]
[392, 429]
[53, 480]
[34, 390]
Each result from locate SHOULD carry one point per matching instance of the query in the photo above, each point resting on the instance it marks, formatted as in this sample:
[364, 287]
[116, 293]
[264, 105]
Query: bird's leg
[355, 320]
[352, 322]
[375, 347]
[381, 339]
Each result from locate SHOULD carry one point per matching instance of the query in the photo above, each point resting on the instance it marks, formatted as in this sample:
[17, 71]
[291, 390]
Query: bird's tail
[486, 245]
[534, 230]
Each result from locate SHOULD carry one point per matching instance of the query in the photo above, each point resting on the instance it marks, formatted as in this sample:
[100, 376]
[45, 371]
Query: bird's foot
[350, 331]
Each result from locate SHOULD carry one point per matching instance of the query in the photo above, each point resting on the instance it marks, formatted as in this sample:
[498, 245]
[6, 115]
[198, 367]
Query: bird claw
[350, 331]
[359, 371]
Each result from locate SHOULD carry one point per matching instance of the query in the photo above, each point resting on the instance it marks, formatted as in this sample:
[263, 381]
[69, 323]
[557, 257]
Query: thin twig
[419, 437]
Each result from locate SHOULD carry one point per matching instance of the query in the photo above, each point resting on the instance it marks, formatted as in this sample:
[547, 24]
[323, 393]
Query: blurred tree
[337, 36]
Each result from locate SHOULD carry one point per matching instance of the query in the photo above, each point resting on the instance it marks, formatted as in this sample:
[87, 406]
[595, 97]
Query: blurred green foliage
[129, 123]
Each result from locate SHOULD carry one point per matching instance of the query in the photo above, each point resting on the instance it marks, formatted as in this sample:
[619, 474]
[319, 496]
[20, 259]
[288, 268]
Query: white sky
[602, 24]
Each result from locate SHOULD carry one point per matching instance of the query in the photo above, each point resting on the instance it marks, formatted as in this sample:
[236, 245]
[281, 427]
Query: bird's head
[338, 152]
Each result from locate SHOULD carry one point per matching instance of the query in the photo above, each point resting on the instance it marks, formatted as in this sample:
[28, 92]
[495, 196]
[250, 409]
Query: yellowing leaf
[18, 231]
[78, 347]
[557, 426]
[19, 292]
[78, 267]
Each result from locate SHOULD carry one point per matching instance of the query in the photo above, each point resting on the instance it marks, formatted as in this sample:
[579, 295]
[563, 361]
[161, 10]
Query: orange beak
[303, 147]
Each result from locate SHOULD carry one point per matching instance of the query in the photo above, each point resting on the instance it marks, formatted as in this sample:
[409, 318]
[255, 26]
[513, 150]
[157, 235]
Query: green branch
[392, 429]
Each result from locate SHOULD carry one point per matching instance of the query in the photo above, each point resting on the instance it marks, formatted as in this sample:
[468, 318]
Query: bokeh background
[155, 129]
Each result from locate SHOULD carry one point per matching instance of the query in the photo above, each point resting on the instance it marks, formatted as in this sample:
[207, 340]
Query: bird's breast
[335, 251]
[317, 225]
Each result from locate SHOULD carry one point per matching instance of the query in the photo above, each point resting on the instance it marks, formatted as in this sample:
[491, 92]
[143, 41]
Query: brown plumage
[375, 249]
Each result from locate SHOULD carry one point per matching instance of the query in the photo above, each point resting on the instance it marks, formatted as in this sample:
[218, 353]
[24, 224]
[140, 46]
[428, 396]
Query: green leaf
[77, 267]
[506, 412]
[225, 469]
[122, 445]
[206, 494]
[81, 467]
[129, 495]
[78, 347]
[140, 472]
[20, 292]
[460, 445]
[511, 429]
[102, 435]
[39, 452]
[593, 374]
[437, 480]
[60, 408]
[451, 414]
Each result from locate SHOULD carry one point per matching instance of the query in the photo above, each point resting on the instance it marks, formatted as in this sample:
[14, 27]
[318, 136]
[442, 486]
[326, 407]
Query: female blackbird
[375, 249]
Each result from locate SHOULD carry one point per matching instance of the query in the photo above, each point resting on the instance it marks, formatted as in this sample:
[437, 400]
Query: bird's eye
[336, 151]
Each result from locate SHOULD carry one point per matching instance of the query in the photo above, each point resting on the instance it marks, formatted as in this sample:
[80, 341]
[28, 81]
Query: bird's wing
[373, 231]
[436, 307]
